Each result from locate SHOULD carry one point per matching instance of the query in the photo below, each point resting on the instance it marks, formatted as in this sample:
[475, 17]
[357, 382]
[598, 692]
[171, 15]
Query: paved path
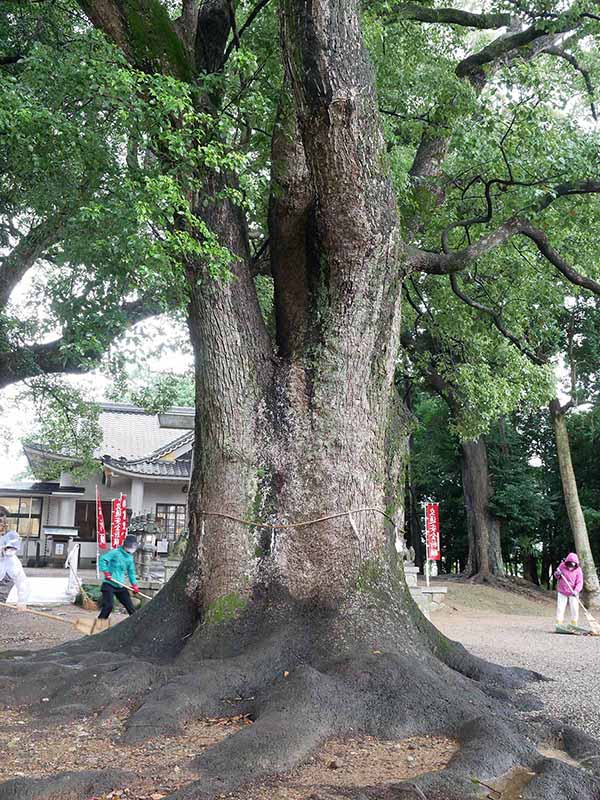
[572, 662]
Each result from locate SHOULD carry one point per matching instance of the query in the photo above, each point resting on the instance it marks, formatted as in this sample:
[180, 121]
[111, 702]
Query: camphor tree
[459, 356]
[302, 618]
[568, 332]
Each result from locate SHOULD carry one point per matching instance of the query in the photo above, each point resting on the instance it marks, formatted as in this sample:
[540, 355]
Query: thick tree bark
[485, 553]
[591, 590]
[233, 375]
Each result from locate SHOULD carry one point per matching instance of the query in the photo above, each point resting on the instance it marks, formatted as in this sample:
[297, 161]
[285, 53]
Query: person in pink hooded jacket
[570, 583]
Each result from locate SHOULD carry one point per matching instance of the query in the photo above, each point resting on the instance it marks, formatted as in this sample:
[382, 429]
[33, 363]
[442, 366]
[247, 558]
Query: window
[85, 519]
[171, 518]
[24, 514]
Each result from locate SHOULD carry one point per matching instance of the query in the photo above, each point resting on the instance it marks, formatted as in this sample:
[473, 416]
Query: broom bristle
[86, 601]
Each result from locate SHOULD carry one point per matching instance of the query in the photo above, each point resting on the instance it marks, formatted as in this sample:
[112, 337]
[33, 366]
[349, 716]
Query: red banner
[123, 532]
[432, 528]
[115, 523]
[100, 527]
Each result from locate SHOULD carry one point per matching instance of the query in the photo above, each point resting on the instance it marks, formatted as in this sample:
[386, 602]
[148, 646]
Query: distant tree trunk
[483, 528]
[413, 515]
[591, 591]
[530, 572]
[546, 568]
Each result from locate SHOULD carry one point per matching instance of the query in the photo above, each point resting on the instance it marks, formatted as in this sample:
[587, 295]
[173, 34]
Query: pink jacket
[570, 581]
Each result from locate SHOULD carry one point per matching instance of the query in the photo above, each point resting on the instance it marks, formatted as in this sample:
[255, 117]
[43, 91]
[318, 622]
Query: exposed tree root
[485, 578]
[64, 786]
[373, 666]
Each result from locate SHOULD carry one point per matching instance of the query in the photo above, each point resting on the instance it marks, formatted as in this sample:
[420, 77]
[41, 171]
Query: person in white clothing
[10, 566]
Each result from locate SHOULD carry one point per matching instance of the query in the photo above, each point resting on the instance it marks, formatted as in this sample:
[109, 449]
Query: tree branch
[448, 263]
[29, 361]
[568, 189]
[561, 190]
[421, 345]
[496, 319]
[450, 16]
[572, 60]
[235, 42]
[508, 47]
[455, 261]
[540, 239]
[431, 153]
[24, 255]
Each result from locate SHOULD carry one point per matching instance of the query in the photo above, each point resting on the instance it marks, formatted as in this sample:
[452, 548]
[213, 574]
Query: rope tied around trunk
[281, 525]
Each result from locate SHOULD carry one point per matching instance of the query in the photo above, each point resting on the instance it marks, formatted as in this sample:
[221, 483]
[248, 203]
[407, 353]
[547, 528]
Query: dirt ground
[491, 621]
[33, 750]
[512, 597]
[163, 766]
[20, 631]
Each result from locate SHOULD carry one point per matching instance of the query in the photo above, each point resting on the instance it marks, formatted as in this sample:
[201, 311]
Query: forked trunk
[591, 589]
[306, 430]
[233, 376]
[483, 527]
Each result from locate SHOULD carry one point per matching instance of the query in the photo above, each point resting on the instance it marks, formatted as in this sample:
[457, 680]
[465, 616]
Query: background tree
[460, 357]
[568, 333]
[581, 350]
[435, 472]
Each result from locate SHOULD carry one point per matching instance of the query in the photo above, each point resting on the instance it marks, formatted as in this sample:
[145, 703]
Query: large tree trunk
[483, 527]
[302, 621]
[591, 590]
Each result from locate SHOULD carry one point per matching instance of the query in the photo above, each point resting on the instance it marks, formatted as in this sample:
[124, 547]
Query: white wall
[118, 485]
[157, 492]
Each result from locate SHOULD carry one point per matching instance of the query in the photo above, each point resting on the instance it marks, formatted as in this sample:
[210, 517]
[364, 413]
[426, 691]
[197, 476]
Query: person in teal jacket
[116, 564]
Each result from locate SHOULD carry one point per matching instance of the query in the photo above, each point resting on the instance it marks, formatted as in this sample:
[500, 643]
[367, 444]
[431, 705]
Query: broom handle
[586, 612]
[124, 585]
[76, 576]
[37, 613]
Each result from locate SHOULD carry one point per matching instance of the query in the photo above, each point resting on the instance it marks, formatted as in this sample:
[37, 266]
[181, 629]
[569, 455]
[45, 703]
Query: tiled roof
[182, 441]
[135, 442]
[39, 487]
[152, 465]
[131, 433]
[154, 469]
